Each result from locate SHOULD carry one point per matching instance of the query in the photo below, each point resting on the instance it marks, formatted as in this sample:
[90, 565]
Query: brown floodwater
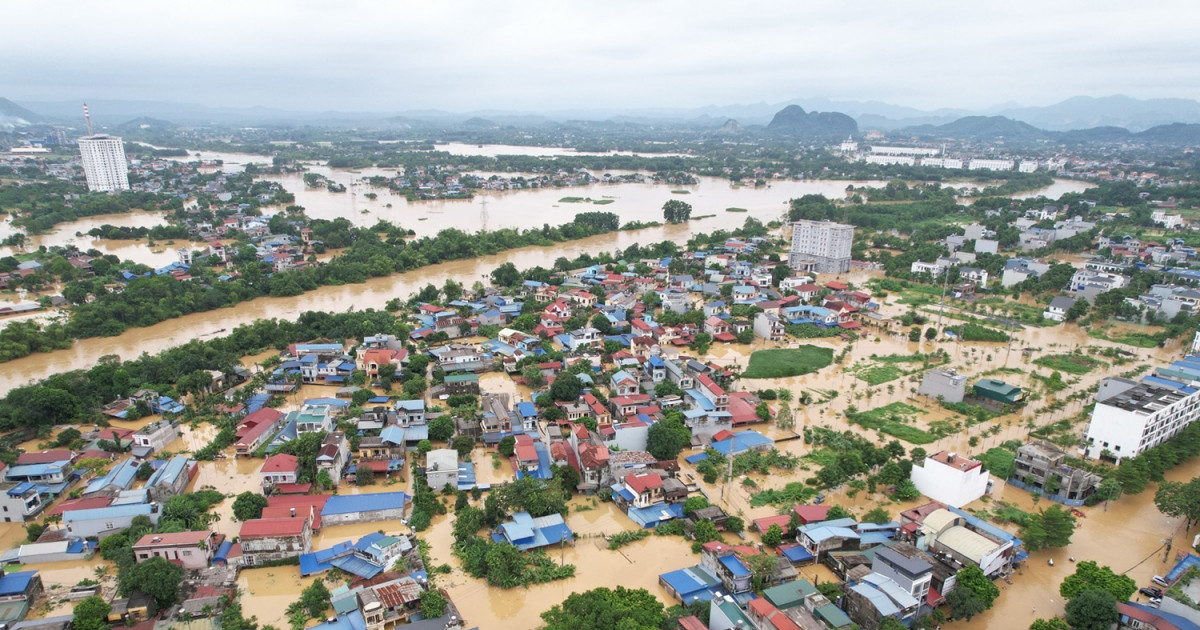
[76, 233]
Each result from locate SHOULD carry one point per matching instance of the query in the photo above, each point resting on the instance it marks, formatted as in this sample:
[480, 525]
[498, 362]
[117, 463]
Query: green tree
[676, 211]
[433, 603]
[1051, 527]
[533, 376]
[735, 525]
[930, 333]
[666, 438]
[705, 531]
[463, 444]
[1179, 499]
[890, 623]
[606, 609]
[1077, 310]
[145, 471]
[92, 614]
[694, 503]
[964, 604]
[973, 579]
[1053, 623]
[876, 515]
[507, 446]
[566, 387]
[914, 334]
[248, 505]
[33, 531]
[1090, 575]
[155, 577]
[364, 475]
[762, 567]
[906, 491]
[1093, 609]
[441, 428]
[773, 537]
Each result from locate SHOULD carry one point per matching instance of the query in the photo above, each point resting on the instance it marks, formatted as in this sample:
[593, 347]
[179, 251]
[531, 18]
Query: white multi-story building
[941, 162]
[1169, 221]
[913, 151]
[1130, 417]
[951, 479]
[990, 165]
[821, 246]
[906, 160]
[104, 163]
[1027, 166]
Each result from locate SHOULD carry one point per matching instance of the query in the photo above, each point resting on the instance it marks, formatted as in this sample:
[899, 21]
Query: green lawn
[1070, 363]
[788, 362]
[1136, 339]
[890, 419]
[879, 374]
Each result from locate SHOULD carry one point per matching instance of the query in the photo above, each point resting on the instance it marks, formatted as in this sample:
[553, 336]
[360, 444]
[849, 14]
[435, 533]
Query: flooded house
[190, 550]
[268, 539]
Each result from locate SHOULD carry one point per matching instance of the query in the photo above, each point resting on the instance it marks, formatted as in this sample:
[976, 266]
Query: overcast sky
[345, 55]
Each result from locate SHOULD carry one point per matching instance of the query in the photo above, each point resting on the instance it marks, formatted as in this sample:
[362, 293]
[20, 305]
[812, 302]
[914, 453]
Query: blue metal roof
[20, 489]
[735, 566]
[347, 503]
[319, 561]
[796, 553]
[136, 509]
[222, 553]
[653, 515]
[882, 603]
[392, 434]
[696, 459]
[350, 621]
[526, 410]
[170, 472]
[692, 584]
[15, 583]
[357, 565]
[742, 441]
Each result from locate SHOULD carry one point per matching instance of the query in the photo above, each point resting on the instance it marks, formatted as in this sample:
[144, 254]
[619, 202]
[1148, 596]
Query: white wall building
[825, 243]
[990, 165]
[1169, 221]
[950, 478]
[104, 163]
[1130, 417]
[906, 160]
[1027, 166]
[914, 151]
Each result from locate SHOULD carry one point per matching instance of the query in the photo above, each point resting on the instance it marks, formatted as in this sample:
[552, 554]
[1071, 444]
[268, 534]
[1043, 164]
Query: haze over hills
[1082, 112]
[1109, 119]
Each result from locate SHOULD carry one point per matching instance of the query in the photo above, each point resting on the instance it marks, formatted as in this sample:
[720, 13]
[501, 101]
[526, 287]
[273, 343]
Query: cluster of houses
[902, 569]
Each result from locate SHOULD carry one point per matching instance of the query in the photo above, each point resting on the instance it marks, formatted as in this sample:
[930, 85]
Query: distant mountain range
[1079, 119]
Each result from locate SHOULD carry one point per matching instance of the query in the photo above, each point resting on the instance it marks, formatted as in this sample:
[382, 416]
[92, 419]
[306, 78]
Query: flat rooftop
[1145, 398]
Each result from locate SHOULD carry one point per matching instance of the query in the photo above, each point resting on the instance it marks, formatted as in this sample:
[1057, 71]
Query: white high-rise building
[104, 163]
[821, 246]
[1130, 417]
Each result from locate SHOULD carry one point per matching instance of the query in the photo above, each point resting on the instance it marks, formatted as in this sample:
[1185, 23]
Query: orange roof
[281, 463]
[267, 527]
[643, 482]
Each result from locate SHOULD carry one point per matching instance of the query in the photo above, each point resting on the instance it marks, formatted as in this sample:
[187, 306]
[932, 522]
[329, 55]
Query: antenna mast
[87, 117]
[483, 215]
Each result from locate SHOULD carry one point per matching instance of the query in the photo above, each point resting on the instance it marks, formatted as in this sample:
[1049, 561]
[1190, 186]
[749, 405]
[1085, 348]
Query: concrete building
[1130, 417]
[913, 574]
[1057, 310]
[1017, 270]
[153, 437]
[190, 550]
[441, 468]
[998, 391]
[1040, 466]
[279, 468]
[104, 163]
[19, 501]
[821, 246]
[267, 539]
[950, 478]
[948, 384]
[980, 164]
[105, 521]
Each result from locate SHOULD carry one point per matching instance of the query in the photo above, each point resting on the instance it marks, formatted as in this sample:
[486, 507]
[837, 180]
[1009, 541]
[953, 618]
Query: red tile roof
[80, 504]
[45, 457]
[691, 623]
[811, 513]
[765, 523]
[172, 539]
[281, 463]
[643, 482]
[763, 609]
[268, 527]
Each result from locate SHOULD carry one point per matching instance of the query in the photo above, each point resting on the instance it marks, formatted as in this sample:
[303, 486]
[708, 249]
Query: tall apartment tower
[104, 163]
[821, 246]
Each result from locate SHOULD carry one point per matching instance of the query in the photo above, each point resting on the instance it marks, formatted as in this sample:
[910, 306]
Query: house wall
[949, 485]
[188, 556]
[259, 550]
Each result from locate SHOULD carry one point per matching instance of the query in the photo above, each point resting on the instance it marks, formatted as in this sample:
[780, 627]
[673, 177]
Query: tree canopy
[1179, 499]
[666, 438]
[606, 609]
[1093, 609]
[676, 211]
[1089, 575]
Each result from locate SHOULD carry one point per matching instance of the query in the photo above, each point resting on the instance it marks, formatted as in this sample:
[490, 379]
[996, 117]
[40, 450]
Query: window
[187, 552]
